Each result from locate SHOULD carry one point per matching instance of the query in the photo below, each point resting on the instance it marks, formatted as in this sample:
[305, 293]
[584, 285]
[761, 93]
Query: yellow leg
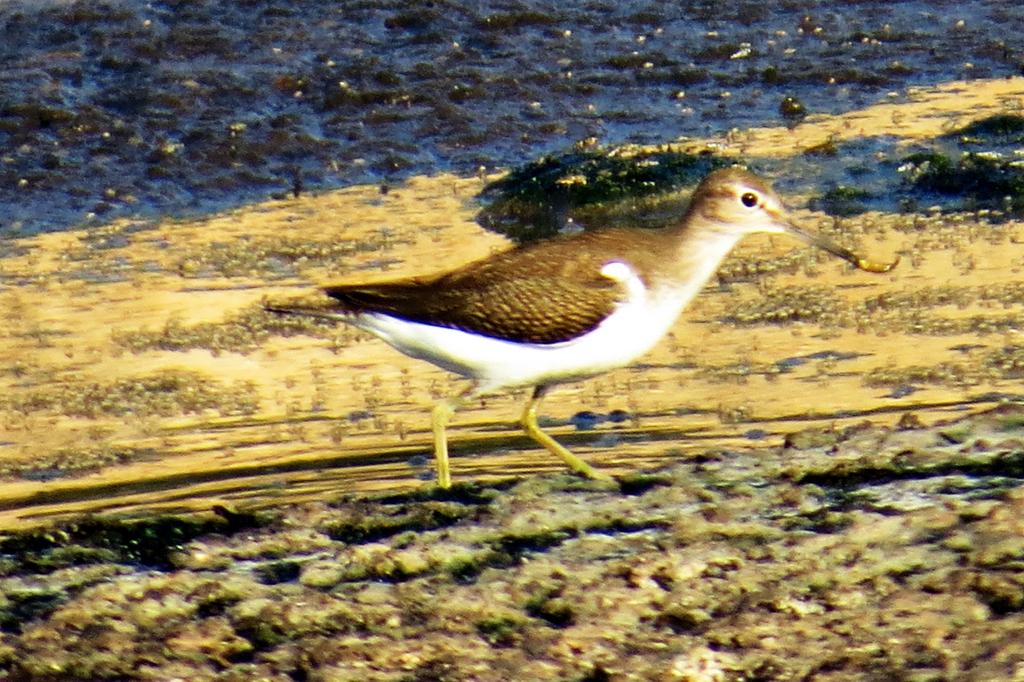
[439, 417]
[529, 423]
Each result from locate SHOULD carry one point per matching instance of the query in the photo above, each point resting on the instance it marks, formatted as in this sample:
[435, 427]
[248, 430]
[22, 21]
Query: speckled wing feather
[523, 295]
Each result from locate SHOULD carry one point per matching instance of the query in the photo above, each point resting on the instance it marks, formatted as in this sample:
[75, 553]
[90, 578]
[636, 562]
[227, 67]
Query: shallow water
[148, 109]
[141, 374]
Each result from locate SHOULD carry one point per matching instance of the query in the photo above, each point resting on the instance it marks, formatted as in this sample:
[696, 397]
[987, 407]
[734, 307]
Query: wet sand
[146, 375]
[815, 510]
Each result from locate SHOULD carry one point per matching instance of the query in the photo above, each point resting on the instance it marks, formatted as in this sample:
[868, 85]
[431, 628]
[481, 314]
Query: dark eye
[749, 199]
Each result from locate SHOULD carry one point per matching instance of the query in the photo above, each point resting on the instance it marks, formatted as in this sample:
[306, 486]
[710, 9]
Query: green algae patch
[640, 482]
[974, 168]
[983, 179]
[593, 188]
[978, 464]
[1003, 594]
[843, 200]
[501, 631]
[21, 606]
[148, 542]
[278, 572]
[1009, 126]
[468, 493]
[466, 567]
[371, 526]
[551, 608]
[977, 163]
[504, 551]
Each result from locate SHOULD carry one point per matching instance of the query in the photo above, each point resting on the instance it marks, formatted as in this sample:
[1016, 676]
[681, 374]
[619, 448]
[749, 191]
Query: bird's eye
[749, 199]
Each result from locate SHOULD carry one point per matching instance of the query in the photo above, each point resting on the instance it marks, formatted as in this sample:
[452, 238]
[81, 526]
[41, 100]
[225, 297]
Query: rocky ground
[860, 554]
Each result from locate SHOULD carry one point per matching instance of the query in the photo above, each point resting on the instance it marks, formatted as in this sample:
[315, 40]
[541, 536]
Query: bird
[564, 309]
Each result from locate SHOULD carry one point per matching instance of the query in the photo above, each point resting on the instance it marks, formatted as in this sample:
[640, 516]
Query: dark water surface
[142, 109]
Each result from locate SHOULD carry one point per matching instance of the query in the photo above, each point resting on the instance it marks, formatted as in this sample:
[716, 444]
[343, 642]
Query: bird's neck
[689, 254]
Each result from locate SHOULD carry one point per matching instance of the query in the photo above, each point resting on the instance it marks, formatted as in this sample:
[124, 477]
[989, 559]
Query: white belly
[637, 324]
[624, 336]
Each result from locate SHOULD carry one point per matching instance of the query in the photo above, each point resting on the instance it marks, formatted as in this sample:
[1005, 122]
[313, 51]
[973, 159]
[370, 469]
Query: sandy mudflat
[820, 468]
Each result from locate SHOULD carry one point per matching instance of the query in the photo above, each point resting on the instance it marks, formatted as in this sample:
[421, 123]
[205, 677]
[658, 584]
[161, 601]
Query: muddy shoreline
[857, 554]
[819, 470]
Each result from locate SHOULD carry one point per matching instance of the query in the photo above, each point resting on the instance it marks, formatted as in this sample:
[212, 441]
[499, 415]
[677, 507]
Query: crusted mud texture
[854, 554]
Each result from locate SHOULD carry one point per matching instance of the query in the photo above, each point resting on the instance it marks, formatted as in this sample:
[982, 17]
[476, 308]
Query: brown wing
[527, 295]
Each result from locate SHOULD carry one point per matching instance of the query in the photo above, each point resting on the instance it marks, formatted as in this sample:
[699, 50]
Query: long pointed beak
[835, 249]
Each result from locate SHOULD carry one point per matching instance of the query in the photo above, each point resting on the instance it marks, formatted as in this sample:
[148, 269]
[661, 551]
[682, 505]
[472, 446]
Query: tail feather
[305, 311]
[377, 298]
[405, 299]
